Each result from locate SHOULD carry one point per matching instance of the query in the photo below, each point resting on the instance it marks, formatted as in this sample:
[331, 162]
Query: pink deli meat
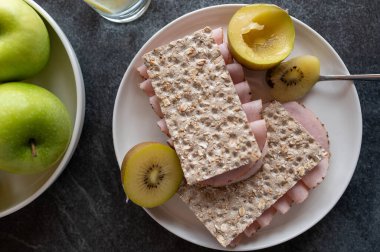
[243, 91]
[314, 126]
[283, 204]
[259, 129]
[217, 34]
[298, 193]
[253, 110]
[236, 71]
[225, 53]
[301, 190]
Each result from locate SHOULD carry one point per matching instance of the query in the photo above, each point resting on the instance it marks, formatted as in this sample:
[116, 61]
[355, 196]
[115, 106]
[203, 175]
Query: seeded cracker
[228, 211]
[203, 113]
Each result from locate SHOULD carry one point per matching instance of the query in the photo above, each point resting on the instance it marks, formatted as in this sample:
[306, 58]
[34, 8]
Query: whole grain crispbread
[203, 113]
[228, 211]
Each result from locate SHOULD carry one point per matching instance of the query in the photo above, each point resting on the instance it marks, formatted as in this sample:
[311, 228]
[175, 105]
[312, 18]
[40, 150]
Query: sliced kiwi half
[291, 80]
[151, 174]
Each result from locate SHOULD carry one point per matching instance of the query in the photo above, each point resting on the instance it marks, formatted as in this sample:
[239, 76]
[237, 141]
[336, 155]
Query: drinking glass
[119, 11]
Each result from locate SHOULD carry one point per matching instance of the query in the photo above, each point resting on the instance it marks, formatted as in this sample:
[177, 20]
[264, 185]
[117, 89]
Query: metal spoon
[368, 77]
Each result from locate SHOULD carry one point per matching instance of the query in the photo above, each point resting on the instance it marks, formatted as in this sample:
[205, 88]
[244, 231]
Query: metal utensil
[369, 77]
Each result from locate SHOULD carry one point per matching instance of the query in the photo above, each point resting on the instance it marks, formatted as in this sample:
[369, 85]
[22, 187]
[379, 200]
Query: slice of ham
[155, 103]
[261, 222]
[251, 229]
[143, 71]
[301, 190]
[283, 204]
[223, 48]
[170, 142]
[309, 121]
[316, 176]
[163, 127]
[314, 126]
[259, 129]
[236, 175]
[243, 91]
[298, 193]
[255, 168]
[236, 241]
[147, 87]
[236, 71]
[217, 34]
[227, 178]
[266, 218]
[253, 110]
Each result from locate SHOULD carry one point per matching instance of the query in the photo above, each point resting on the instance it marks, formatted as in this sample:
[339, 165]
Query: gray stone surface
[84, 209]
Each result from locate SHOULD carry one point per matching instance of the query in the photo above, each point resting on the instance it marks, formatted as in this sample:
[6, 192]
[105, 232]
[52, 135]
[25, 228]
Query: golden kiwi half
[293, 79]
[151, 174]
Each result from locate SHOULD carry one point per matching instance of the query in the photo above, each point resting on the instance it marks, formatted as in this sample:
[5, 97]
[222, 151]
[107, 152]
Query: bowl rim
[79, 117]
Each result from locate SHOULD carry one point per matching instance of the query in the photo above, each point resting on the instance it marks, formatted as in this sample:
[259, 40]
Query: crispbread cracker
[203, 113]
[228, 211]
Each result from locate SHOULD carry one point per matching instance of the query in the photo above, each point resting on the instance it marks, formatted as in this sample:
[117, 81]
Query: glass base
[132, 13]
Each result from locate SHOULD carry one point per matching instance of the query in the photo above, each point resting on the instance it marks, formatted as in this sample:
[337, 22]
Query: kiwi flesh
[151, 174]
[293, 79]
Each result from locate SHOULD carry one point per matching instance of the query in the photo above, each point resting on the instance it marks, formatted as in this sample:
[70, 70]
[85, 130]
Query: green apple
[35, 128]
[24, 41]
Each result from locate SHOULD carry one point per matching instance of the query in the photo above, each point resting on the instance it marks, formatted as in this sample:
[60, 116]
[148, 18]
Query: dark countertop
[84, 209]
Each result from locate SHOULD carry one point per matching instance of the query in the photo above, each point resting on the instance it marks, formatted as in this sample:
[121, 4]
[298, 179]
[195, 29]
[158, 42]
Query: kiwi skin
[293, 79]
[134, 172]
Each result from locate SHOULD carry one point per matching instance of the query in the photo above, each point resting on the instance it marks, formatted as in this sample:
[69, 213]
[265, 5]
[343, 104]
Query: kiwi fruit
[151, 174]
[260, 35]
[293, 79]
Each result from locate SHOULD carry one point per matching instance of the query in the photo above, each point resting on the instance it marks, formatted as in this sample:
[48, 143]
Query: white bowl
[63, 77]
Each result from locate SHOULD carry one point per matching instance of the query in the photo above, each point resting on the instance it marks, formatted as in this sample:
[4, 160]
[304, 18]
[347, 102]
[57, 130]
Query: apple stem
[33, 146]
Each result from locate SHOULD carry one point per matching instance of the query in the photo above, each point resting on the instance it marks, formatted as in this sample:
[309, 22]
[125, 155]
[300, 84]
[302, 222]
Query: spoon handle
[350, 77]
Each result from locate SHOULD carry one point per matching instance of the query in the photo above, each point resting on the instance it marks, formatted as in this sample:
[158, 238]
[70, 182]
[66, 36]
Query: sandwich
[229, 211]
[204, 115]
[242, 161]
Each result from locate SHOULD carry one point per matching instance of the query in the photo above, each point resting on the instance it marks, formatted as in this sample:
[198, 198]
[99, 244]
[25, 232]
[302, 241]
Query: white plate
[63, 77]
[337, 105]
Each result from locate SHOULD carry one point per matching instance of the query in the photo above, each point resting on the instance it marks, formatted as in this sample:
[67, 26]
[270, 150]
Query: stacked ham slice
[299, 192]
[312, 179]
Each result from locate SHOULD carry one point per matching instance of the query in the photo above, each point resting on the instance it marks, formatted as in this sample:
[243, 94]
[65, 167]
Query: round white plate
[63, 77]
[336, 103]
